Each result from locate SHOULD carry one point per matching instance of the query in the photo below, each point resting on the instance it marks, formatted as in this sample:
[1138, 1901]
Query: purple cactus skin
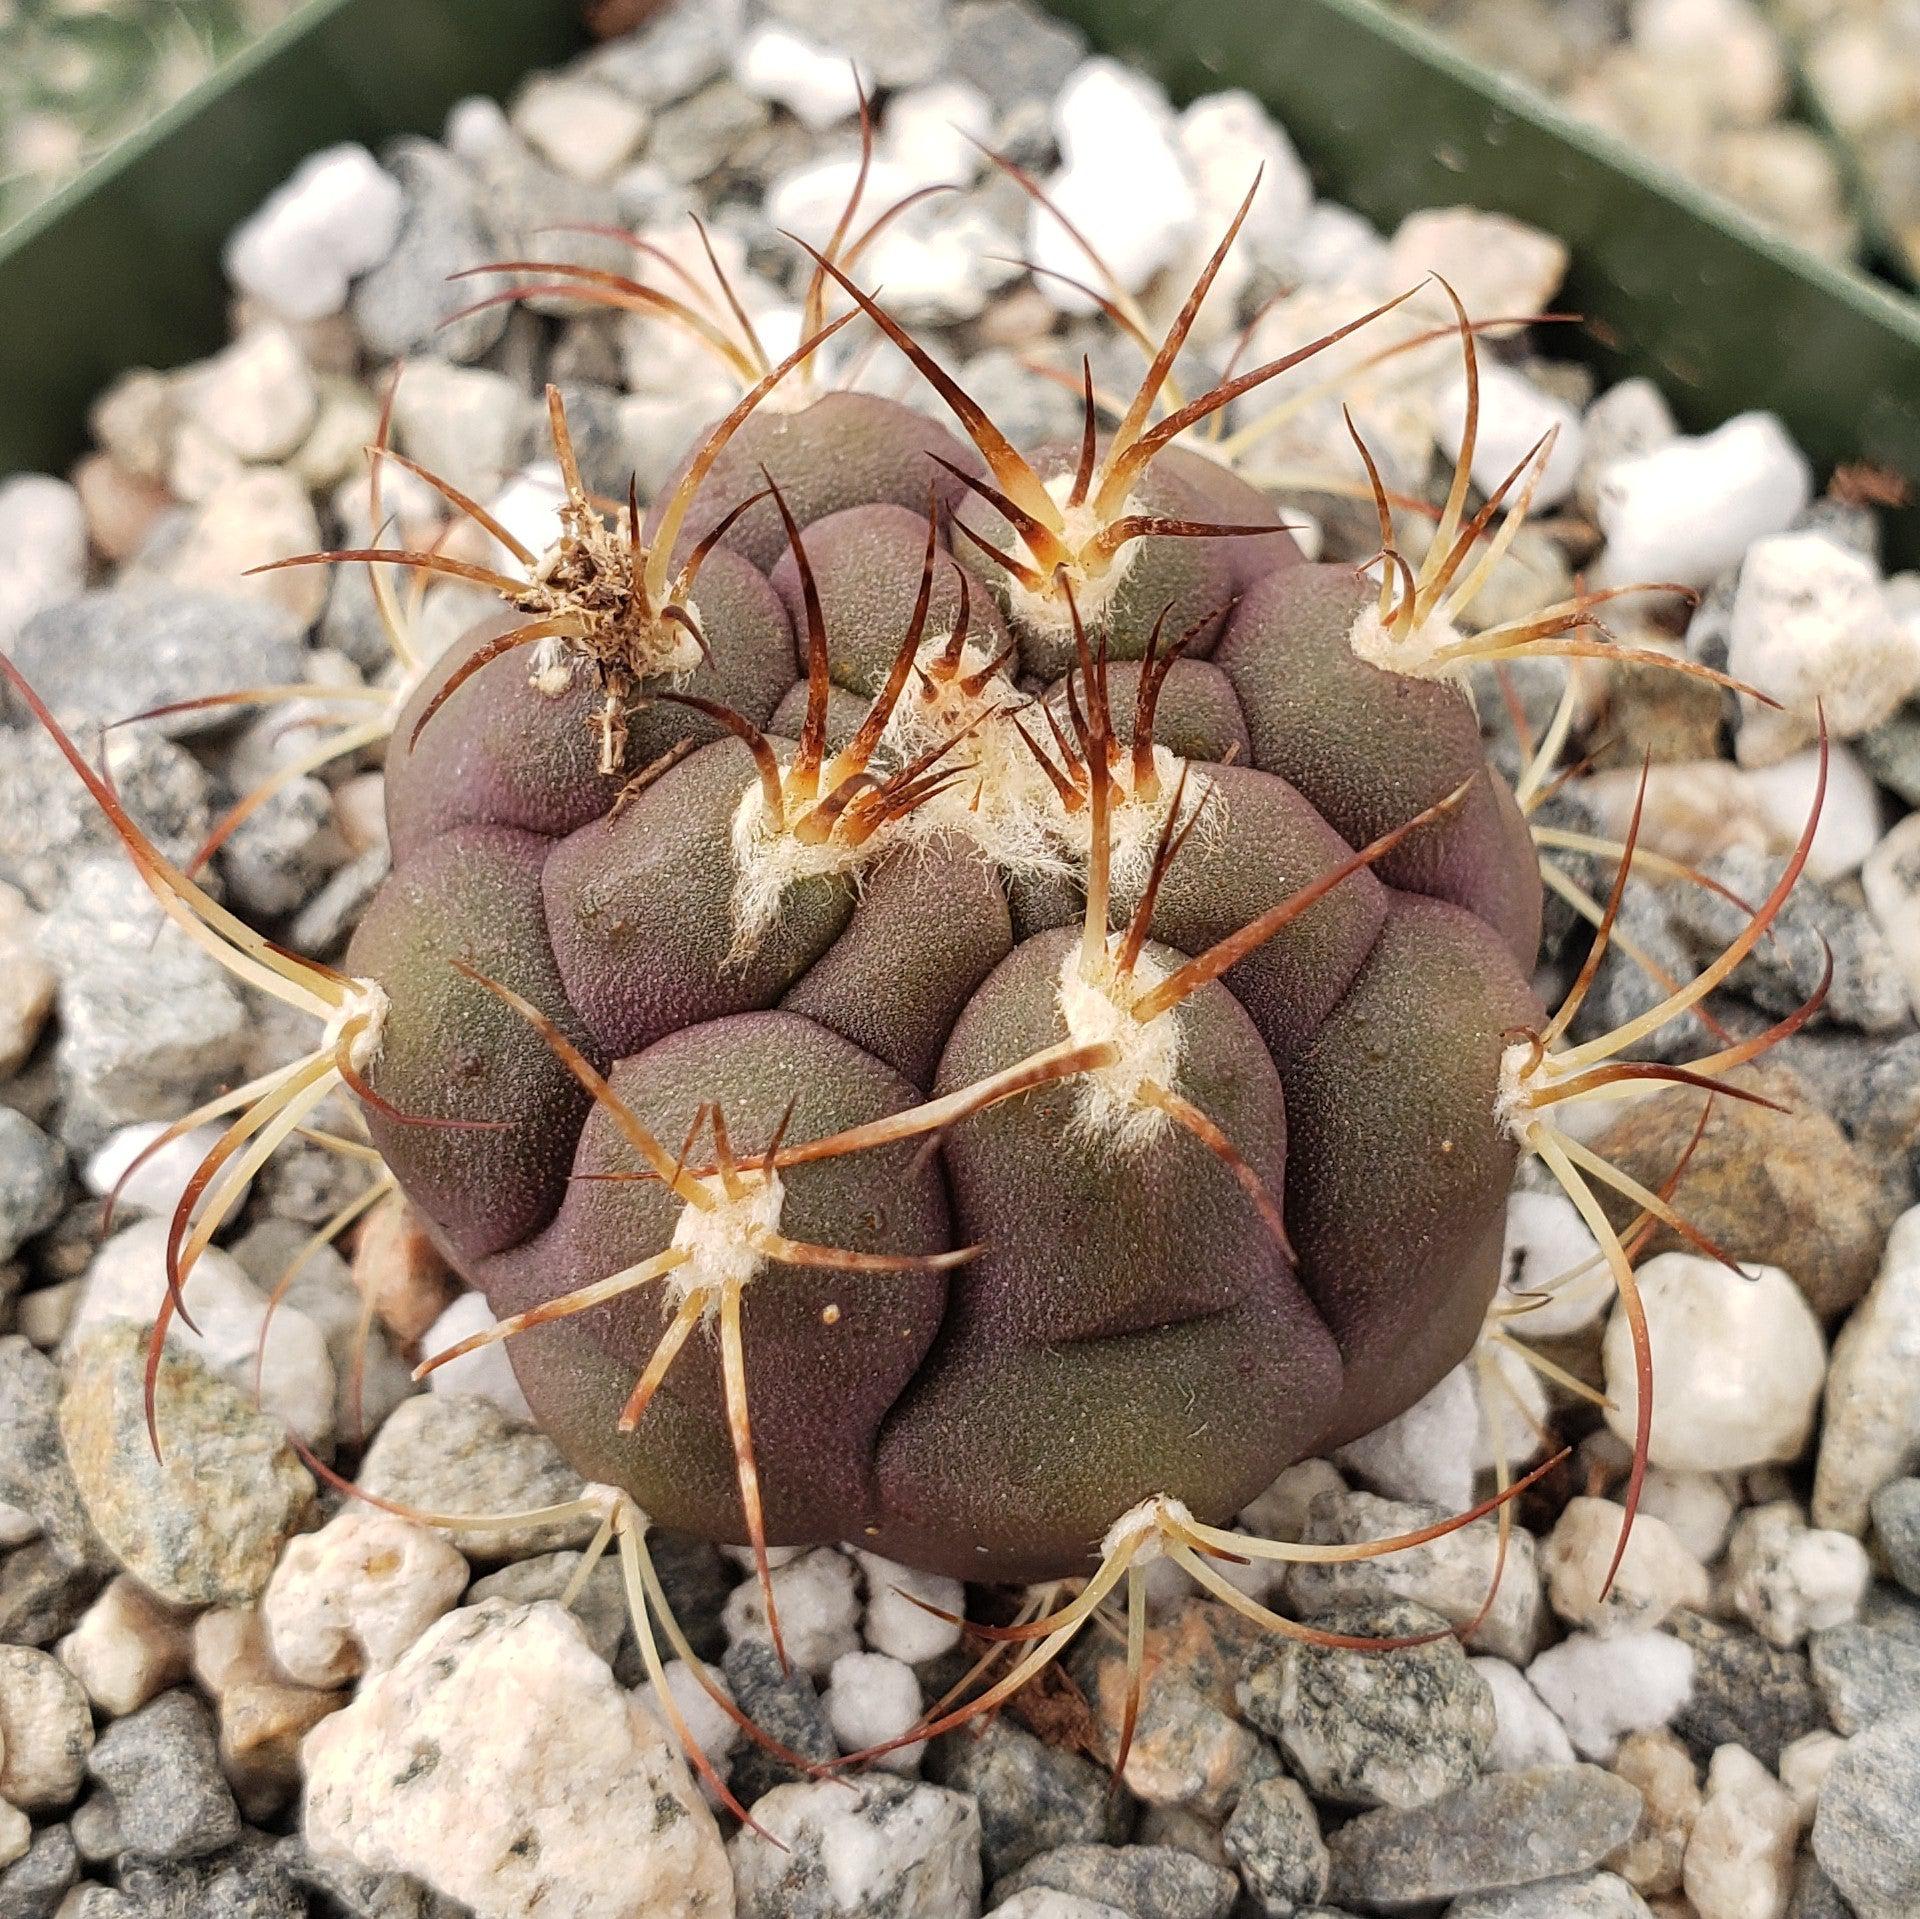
[1130, 1324]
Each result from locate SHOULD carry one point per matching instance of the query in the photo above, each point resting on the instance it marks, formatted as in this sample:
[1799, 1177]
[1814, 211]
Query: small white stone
[27, 982]
[1871, 1430]
[354, 1596]
[1427, 1453]
[499, 1762]
[1697, 1506]
[1724, 51]
[897, 1620]
[871, 1699]
[814, 84]
[251, 516]
[1122, 183]
[1688, 510]
[43, 548]
[127, 1279]
[16, 1835]
[257, 397]
[338, 216]
[714, 1731]
[1632, 417]
[1787, 1579]
[1525, 1732]
[1224, 137]
[1657, 1574]
[1891, 881]
[924, 134]
[583, 128]
[879, 1845]
[1281, 1511]
[477, 129]
[1553, 1275]
[486, 1372]
[1740, 1858]
[1513, 1401]
[128, 1648]
[1515, 415]
[1804, 1765]
[159, 1182]
[1498, 266]
[46, 1730]
[1602, 1689]
[1814, 628]
[1849, 825]
[1738, 1361]
[818, 1603]
[1043, 1902]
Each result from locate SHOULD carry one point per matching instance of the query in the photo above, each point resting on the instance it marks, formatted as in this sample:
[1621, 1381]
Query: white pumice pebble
[1515, 416]
[486, 1372]
[1688, 510]
[1890, 878]
[817, 86]
[354, 1596]
[1122, 183]
[1788, 1579]
[1739, 1358]
[337, 216]
[1602, 1689]
[1696, 1507]
[1657, 1575]
[1554, 1280]
[1814, 629]
[1850, 822]
[1525, 1731]
[902, 1617]
[817, 1600]
[871, 1699]
[715, 1731]
[158, 1182]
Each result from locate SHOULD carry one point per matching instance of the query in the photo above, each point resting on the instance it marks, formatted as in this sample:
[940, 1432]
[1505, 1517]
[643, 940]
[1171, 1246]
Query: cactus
[966, 1001]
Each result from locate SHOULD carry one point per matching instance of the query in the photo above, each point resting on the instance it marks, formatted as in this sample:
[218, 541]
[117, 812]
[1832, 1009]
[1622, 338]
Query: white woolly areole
[366, 1000]
[609, 1502]
[1046, 612]
[768, 859]
[1099, 1012]
[721, 1237]
[1416, 654]
[1134, 826]
[1144, 1529]
[1522, 1077]
[1004, 804]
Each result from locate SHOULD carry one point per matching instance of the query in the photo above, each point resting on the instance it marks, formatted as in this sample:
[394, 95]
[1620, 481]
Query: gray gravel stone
[247, 1881]
[1593, 1895]
[324, 924]
[95, 1825]
[92, 1901]
[1864, 1673]
[449, 1453]
[49, 822]
[277, 856]
[1012, 52]
[339, 1886]
[680, 48]
[1374, 1729]
[34, 1885]
[1274, 1839]
[1745, 1692]
[33, 1181]
[1896, 1522]
[1145, 1882]
[1891, 752]
[147, 1020]
[1509, 1829]
[400, 307]
[1033, 1797]
[697, 135]
[204, 1523]
[1868, 990]
[1815, 1896]
[163, 1768]
[120, 650]
[43, 1594]
[1866, 1833]
[897, 43]
[785, 1707]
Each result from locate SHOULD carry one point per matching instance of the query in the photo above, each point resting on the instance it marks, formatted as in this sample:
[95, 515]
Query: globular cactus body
[1131, 1322]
